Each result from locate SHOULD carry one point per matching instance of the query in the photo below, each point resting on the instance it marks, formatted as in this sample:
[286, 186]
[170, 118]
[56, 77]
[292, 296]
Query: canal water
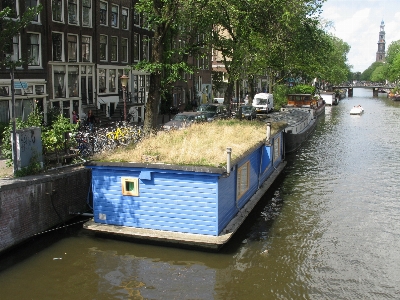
[328, 229]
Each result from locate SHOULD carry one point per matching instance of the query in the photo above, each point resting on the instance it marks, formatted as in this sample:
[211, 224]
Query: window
[34, 49]
[145, 22]
[277, 148]
[114, 48]
[125, 18]
[59, 82]
[124, 50]
[87, 13]
[73, 81]
[243, 176]
[111, 80]
[13, 5]
[102, 81]
[136, 46]
[72, 12]
[130, 186]
[57, 9]
[72, 48]
[86, 53]
[32, 3]
[114, 15]
[103, 13]
[15, 51]
[103, 47]
[136, 18]
[57, 46]
[206, 62]
[145, 43]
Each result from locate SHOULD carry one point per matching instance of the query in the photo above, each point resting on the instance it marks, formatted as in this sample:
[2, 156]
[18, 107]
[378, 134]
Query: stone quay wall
[33, 204]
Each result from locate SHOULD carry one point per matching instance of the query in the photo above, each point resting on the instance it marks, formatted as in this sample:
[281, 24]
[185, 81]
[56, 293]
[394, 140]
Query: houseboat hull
[187, 240]
[187, 206]
[300, 124]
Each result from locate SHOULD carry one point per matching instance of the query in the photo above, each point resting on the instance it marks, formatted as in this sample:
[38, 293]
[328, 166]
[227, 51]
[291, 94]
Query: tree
[366, 75]
[392, 70]
[170, 20]
[11, 26]
[378, 75]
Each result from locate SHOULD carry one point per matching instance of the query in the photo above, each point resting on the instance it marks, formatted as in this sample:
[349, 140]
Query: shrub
[302, 89]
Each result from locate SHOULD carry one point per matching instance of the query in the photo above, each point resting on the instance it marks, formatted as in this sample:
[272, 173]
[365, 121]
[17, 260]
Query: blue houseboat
[183, 205]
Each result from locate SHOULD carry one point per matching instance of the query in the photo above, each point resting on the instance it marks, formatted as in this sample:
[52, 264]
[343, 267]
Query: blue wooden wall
[182, 202]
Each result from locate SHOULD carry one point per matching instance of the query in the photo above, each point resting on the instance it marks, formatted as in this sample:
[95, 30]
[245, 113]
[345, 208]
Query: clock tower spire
[380, 54]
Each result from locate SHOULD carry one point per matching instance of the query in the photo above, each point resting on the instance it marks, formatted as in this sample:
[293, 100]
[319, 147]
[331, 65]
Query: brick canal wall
[32, 204]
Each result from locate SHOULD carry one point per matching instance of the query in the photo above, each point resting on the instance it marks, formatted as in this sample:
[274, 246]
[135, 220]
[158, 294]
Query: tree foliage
[281, 38]
[366, 75]
[11, 25]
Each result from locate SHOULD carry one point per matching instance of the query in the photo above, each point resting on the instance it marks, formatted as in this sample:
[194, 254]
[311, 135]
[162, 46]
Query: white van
[219, 100]
[264, 103]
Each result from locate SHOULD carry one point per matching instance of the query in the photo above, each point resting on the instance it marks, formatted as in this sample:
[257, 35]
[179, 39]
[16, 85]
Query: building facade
[78, 51]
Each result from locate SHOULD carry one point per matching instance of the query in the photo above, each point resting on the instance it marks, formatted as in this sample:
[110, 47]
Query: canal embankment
[33, 204]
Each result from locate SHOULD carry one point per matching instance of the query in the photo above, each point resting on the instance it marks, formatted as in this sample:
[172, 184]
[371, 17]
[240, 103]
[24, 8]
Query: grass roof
[201, 144]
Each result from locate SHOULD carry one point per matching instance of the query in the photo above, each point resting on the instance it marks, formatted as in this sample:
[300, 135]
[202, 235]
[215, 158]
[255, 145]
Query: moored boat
[186, 205]
[329, 98]
[300, 124]
[306, 101]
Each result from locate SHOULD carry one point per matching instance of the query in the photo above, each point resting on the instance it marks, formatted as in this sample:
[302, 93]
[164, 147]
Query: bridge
[375, 89]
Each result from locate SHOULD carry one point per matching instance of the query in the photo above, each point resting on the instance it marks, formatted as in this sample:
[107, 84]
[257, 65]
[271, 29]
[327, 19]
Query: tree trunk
[154, 97]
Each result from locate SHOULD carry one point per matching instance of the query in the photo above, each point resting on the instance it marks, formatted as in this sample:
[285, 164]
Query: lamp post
[124, 82]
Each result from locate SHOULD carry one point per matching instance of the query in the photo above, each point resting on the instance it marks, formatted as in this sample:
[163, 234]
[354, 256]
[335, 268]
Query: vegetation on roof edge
[199, 145]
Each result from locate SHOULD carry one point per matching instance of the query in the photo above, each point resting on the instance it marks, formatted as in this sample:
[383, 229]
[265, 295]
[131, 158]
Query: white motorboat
[357, 110]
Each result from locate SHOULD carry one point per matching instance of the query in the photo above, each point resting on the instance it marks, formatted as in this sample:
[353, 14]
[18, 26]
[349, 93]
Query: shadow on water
[39, 242]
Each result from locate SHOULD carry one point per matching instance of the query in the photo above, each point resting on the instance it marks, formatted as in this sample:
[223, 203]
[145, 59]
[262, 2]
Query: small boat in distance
[357, 110]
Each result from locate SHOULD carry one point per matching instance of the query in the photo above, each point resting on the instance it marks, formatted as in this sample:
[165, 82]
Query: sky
[357, 22]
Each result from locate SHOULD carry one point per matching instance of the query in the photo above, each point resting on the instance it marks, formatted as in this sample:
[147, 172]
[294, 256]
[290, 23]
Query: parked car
[214, 111]
[184, 120]
[247, 112]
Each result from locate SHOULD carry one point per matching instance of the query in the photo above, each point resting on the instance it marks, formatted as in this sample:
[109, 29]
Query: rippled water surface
[329, 229]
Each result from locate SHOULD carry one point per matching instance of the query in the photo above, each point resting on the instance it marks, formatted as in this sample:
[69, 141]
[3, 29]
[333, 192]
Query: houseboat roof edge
[161, 166]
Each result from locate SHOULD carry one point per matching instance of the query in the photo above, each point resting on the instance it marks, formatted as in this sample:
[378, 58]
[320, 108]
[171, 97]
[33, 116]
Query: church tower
[380, 55]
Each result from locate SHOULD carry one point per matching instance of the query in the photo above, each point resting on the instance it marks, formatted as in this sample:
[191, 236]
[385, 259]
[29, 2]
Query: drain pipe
[228, 160]
[267, 140]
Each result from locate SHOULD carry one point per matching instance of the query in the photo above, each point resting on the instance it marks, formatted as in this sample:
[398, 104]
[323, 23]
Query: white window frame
[76, 48]
[62, 46]
[136, 22]
[145, 47]
[136, 48]
[127, 49]
[127, 18]
[111, 47]
[76, 2]
[112, 15]
[39, 65]
[89, 14]
[106, 20]
[63, 87]
[62, 11]
[37, 21]
[16, 10]
[106, 54]
[90, 48]
[16, 52]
